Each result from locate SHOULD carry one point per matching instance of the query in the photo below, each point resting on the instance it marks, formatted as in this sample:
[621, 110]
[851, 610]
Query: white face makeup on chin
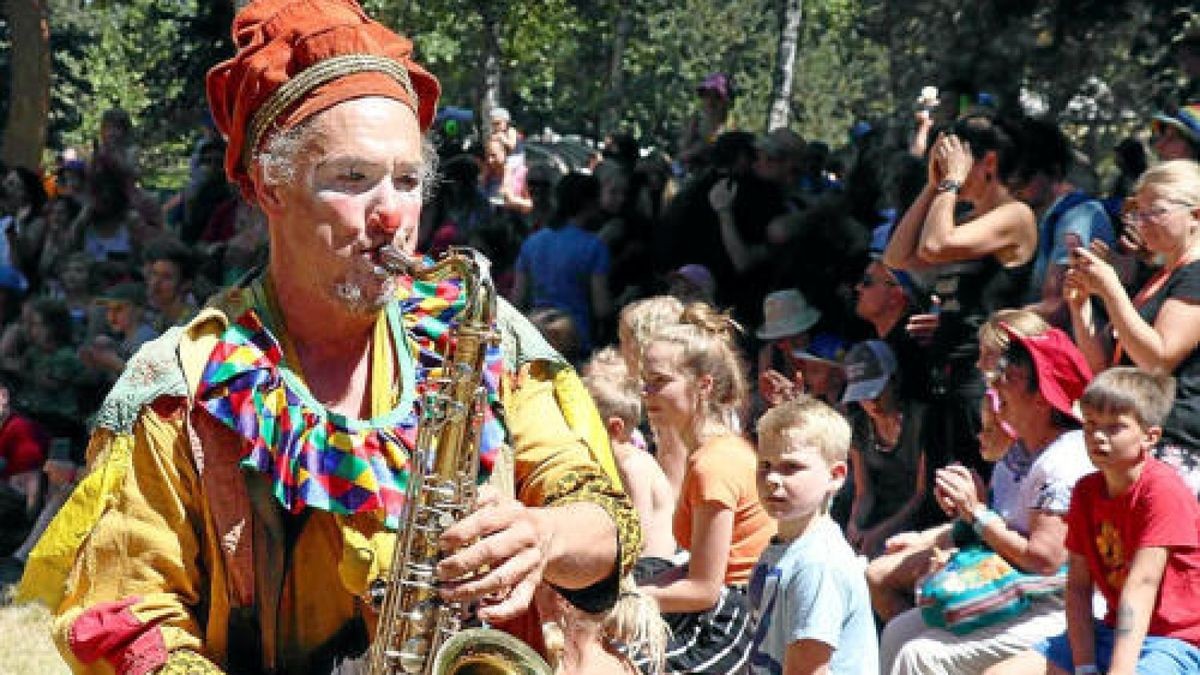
[358, 188]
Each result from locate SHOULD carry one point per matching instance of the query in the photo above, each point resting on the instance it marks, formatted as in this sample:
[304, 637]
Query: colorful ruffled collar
[316, 457]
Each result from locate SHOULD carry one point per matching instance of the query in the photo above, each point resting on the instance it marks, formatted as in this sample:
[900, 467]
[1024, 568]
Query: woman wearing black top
[980, 262]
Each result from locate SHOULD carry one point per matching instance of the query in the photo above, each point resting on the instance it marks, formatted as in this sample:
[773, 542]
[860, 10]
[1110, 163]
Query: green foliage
[1100, 66]
[145, 56]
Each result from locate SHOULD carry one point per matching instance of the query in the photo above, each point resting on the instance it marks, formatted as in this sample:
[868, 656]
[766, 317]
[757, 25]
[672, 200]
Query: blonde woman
[693, 385]
[1158, 329]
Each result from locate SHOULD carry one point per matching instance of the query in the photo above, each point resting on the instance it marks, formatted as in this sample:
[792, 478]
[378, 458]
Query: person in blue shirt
[809, 601]
[566, 267]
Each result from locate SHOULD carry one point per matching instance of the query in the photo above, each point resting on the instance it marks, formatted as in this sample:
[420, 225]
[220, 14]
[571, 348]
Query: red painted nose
[387, 221]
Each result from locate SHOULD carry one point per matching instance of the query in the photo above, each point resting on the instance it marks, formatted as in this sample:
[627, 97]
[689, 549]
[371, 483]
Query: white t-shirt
[1022, 484]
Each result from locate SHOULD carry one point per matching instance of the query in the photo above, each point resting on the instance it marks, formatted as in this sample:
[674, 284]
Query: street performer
[252, 458]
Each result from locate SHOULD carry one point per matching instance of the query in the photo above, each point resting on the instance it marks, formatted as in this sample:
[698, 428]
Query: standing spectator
[1158, 329]
[1132, 537]
[503, 180]
[626, 235]
[780, 161]
[1068, 217]
[1176, 134]
[74, 285]
[809, 603]
[716, 93]
[884, 299]
[981, 264]
[565, 266]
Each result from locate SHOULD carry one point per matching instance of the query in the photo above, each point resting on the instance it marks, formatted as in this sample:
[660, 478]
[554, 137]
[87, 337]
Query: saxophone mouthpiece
[395, 262]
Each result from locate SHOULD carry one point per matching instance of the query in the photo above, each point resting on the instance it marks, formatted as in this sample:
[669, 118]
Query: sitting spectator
[23, 446]
[787, 319]
[1038, 379]
[1131, 534]
[111, 229]
[22, 199]
[51, 372]
[73, 283]
[127, 331]
[692, 283]
[809, 603]
[63, 239]
[1159, 327]
[169, 268]
[559, 330]
[693, 383]
[820, 371]
[618, 400]
[886, 451]
[502, 129]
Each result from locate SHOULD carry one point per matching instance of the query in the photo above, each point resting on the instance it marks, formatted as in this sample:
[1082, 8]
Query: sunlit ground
[26, 647]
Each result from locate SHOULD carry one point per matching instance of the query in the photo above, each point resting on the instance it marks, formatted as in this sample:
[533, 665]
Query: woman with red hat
[253, 463]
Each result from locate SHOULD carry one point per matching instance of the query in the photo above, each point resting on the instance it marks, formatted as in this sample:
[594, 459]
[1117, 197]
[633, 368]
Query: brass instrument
[418, 632]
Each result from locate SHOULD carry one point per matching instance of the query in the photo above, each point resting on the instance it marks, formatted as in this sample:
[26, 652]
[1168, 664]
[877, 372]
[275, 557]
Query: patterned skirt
[716, 640]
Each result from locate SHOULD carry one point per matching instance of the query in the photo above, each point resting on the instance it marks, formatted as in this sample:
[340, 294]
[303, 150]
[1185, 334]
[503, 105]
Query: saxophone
[417, 631]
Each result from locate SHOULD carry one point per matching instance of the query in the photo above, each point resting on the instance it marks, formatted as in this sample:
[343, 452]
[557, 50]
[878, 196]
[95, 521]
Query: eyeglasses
[868, 281]
[997, 372]
[1136, 217]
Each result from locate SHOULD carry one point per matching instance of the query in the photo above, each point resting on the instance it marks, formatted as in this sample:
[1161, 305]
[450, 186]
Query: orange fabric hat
[296, 58]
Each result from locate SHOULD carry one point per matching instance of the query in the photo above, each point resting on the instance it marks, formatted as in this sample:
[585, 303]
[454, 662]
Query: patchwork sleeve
[137, 577]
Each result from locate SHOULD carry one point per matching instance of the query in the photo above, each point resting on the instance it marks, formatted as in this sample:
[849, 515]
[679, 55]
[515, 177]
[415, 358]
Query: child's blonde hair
[634, 623]
[1126, 389]
[615, 395]
[811, 420]
[1023, 322]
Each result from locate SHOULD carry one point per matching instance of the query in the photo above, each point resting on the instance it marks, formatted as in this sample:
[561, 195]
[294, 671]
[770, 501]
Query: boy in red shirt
[1132, 533]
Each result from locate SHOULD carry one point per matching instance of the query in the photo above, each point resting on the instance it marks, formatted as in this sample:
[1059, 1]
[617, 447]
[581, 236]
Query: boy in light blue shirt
[808, 595]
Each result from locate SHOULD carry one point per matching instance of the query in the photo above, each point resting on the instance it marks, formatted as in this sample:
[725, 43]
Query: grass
[26, 646]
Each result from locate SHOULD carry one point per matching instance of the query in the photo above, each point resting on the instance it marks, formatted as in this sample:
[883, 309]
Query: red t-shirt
[22, 445]
[1157, 510]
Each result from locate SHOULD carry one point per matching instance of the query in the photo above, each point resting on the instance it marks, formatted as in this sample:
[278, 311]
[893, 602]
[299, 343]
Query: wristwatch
[1089, 669]
[949, 185]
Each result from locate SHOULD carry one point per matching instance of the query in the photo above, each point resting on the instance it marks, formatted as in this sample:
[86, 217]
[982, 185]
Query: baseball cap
[129, 291]
[869, 365]
[698, 276]
[1186, 119]
[823, 347]
[1062, 371]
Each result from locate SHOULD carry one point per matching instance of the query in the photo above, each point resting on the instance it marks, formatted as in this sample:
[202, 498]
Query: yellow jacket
[177, 557]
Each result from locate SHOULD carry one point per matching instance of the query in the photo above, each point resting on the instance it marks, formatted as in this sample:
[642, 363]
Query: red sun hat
[296, 58]
[1062, 371]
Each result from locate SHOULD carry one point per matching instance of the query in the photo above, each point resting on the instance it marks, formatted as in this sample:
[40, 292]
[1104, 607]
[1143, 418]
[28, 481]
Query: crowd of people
[925, 403]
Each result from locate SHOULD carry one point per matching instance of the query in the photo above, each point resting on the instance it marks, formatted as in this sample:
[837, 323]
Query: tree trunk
[491, 14]
[615, 100]
[785, 61]
[29, 93]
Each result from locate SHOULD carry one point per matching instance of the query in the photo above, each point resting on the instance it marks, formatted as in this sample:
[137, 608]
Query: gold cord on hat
[316, 75]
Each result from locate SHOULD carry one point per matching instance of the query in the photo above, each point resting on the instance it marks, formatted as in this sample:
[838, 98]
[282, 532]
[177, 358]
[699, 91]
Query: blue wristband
[982, 515]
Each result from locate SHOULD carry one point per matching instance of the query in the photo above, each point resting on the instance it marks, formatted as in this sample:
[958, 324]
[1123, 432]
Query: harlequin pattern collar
[321, 459]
